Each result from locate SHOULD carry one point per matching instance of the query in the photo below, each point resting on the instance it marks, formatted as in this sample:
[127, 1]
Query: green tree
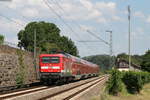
[136, 59]
[115, 84]
[133, 81]
[101, 60]
[1, 39]
[69, 46]
[48, 38]
[146, 61]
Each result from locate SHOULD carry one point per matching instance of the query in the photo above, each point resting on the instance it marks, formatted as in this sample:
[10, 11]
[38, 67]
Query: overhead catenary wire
[69, 27]
[88, 31]
[47, 3]
[62, 9]
[51, 8]
[64, 12]
[11, 20]
[98, 37]
[63, 29]
[20, 24]
[17, 13]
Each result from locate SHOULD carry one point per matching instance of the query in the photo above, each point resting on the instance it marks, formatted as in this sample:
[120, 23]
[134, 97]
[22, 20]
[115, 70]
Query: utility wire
[98, 37]
[18, 13]
[11, 20]
[47, 3]
[64, 12]
[88, 31]
[62, 26]
[62, 9]
[69, 27]
[61, 17]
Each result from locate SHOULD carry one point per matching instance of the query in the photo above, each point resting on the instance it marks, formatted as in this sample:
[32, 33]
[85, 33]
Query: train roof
[60, 55]
[76, 59]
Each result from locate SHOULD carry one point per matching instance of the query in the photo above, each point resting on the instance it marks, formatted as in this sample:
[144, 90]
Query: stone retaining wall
[16, 67]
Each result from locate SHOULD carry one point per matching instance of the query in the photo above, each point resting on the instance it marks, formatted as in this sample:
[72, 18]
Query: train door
[67, 66]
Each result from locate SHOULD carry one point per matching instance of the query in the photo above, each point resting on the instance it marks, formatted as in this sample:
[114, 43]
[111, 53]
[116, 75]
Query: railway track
[10, 89]
[22, 92]
[55, 92]
[70, 93]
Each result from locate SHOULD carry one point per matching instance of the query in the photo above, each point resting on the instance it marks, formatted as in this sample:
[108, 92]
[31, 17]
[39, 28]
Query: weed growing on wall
[20, 76]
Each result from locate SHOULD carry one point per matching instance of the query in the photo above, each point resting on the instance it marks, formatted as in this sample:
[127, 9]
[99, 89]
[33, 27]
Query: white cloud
[109, 11]
[83, 10]
[138, 34]
[85, 27]
[102, 20]
[93, 14]
[87, 4]
[30, 12]
[13, 26]
[148, 19]
[16, 3]
[139, 14]
[116, 18]
[21, 3]
[97, 12]
[109, 7]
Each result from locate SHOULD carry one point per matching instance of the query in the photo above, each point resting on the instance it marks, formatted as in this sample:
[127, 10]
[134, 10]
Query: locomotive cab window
[50, 59]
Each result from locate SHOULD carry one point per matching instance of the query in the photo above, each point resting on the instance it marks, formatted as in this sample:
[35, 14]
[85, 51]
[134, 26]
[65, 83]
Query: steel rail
[60, 92]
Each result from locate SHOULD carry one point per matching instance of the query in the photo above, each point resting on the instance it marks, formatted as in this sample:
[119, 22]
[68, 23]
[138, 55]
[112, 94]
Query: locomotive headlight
[62, 71]
[55, 67]
[44, 67]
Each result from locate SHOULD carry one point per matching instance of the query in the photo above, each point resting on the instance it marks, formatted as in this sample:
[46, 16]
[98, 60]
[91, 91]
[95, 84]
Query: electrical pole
[129, 51]
[110, 48]
[35, 52]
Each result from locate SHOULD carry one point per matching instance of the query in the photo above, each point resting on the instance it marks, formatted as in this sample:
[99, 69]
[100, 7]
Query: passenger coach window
[50, 60]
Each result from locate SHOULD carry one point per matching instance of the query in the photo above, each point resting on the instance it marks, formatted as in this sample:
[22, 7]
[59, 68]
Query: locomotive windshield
[50, 59]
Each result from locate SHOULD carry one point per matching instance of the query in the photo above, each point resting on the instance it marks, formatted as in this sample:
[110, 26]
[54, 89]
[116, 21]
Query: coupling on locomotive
[62, 67]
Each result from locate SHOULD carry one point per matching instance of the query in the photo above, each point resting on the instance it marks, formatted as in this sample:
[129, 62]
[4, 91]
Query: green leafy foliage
[136, 59]
[141, 60]
[20, 76]
[115, 84]
[101, 60]
[1, 39]
[145, 76]
[133, 81]
[67, 45]
[48, 38]
[146, 61]
[19, 79]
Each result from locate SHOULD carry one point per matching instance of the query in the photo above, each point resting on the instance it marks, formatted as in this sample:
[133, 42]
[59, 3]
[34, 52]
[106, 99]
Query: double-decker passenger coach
[65, 67]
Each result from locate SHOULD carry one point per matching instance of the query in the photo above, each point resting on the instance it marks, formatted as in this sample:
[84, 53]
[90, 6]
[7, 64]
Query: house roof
[127, 62]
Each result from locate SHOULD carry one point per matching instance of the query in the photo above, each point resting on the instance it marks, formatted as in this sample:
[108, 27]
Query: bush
[1, 39]
[115, 85]
[145, 65]
[145, 76]
[133, 81]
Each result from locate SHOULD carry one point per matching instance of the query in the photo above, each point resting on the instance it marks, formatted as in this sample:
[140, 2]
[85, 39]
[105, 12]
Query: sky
[82, 15]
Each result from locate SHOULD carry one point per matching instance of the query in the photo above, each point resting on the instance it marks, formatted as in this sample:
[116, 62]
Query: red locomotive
[65, 67]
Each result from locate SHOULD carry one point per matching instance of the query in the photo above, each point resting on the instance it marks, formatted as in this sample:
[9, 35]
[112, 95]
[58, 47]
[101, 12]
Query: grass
[144, 95]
